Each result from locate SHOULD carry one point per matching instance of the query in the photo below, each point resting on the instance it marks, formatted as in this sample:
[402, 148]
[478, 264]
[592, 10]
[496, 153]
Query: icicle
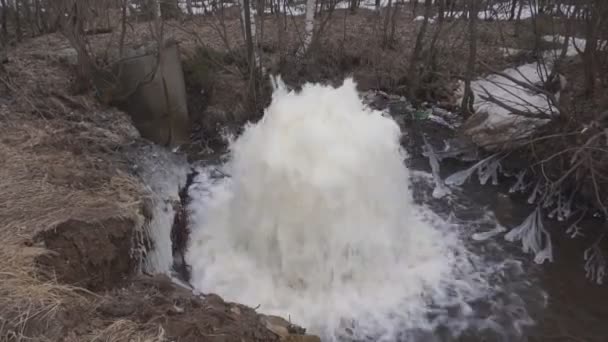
[519, 184]
[489, 170]
[566, 209]
[574, 231]
[534, 193]
[549, 198]
[461, 177]
[440, 189]
[533, 236]
[490, 233]
[595, 263]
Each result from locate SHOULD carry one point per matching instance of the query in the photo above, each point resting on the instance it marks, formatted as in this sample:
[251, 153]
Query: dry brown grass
[30, 306]
[127, 330]
[59, 162]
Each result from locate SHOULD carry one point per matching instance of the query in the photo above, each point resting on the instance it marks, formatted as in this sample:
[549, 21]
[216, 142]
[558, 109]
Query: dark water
[564, 304]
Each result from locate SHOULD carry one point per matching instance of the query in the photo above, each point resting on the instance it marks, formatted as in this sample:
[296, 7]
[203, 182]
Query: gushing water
[316, 222]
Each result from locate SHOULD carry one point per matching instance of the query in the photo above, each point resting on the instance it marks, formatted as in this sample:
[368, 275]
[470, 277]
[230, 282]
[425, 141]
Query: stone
[302, 338]
[277, 325]
[287, 331]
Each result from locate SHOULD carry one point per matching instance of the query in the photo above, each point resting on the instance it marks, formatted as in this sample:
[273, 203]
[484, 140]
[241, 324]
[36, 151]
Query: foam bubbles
[317, 223]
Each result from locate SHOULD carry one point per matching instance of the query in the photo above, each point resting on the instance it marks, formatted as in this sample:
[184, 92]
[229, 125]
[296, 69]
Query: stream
[331, 215]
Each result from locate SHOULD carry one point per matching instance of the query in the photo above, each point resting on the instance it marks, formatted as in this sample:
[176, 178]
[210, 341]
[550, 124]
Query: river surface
[356, 246]
[574, 308]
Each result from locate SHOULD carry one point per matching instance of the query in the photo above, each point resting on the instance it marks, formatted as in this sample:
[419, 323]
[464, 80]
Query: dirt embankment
[72, 213]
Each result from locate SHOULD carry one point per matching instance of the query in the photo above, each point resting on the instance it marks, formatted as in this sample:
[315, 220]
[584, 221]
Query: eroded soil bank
[75, 218]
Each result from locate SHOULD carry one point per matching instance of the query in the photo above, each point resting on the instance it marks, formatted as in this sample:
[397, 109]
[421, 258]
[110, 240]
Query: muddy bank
[76, 217]
[183, 316]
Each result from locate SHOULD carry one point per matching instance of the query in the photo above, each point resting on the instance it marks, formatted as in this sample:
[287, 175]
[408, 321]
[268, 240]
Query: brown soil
[183, 316]
[93, 255]
[71, 212]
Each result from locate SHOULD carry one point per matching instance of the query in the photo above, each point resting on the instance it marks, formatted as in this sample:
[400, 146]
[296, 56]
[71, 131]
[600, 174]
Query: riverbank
[75, 222]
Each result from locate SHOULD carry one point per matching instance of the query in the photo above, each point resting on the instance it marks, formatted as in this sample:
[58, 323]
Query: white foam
[317, 223]
[164, 173]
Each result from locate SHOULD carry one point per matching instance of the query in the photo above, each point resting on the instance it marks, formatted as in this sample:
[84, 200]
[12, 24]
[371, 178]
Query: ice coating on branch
[533, 236]
[535, 192]
[595, 263]
[440, 189]
[486, 168]
[490, 233]
[519, 184]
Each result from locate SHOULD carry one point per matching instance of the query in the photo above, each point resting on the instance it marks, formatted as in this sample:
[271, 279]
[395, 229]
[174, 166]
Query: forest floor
[66, 177]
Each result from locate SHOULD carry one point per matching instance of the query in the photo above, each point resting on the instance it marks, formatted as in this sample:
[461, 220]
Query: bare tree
[309, 26]
[387, 18]
[469, 97]
[513, 9]
[413, 72]
[17, 15]
[594, 15]
[4, 18]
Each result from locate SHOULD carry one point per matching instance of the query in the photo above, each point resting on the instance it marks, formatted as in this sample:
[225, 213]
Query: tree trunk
[261, 8]
[73, 29]
[309, 26]
[189, 7]
[157, 9]
[441, 10]
[353, 6]
[387, 18]
[413, 67]
[469, 98]
[18, 28]
[27, 14]
[589, 54]
[249, 32]
[513, 8]
[391, 36]
[518, 23]
[4, 18]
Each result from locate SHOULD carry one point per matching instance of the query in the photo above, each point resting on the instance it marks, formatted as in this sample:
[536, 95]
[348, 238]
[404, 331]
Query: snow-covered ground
[500, 123]
[502, 11]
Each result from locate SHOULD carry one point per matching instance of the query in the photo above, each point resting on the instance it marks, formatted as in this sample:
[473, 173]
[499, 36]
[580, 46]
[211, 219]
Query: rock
[287, 331]
[277, 325]
[302, 338]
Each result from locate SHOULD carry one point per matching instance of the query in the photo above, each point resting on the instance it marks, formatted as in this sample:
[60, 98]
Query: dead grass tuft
[60, 160]
[29, 305]
[127, 330]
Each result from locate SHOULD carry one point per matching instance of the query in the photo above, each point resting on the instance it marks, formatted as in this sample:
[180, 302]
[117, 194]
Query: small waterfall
[316, 222]
[165, 173]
